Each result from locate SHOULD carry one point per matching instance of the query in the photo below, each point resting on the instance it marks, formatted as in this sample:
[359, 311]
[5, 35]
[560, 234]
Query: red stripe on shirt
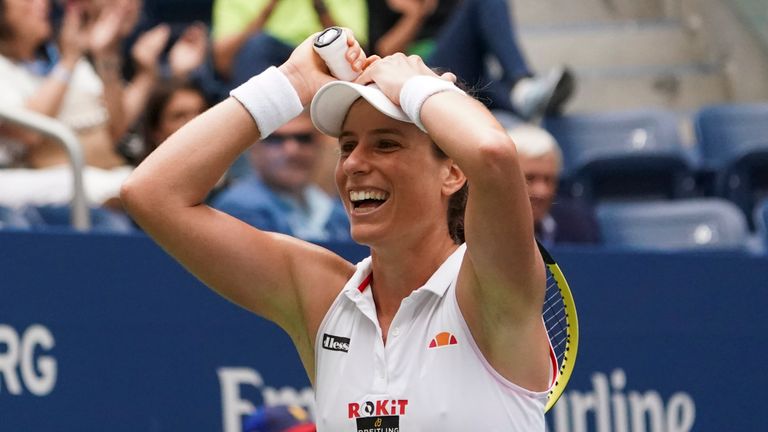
[365, 283]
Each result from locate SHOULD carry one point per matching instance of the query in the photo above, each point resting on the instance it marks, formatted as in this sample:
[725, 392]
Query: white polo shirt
[429, 377]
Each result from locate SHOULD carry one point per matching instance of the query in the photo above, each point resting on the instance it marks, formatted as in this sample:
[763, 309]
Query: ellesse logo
[442, 339]
[335, 343]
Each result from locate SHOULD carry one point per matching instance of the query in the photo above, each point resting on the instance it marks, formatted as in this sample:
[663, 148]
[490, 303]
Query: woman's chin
[364, 234]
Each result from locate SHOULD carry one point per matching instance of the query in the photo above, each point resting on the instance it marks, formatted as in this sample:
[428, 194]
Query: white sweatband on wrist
[417, 90]
[270, 99]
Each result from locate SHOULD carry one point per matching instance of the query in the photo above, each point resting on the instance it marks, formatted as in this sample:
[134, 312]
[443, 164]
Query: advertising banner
[105, 332]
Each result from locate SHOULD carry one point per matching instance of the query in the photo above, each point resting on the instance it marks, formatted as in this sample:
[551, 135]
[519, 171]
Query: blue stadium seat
[733, 146]
[689, 224]
[625, 155]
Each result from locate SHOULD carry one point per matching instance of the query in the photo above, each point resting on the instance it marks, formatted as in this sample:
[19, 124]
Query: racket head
[562, 324]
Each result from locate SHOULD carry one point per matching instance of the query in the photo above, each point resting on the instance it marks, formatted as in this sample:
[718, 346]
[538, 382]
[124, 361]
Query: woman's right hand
[308, 72]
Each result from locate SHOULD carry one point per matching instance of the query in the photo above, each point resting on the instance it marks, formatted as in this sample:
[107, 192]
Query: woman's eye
[388, 145]
[346, 148]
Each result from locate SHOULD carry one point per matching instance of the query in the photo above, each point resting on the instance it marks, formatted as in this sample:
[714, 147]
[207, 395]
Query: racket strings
[561, 322]
[556, 320]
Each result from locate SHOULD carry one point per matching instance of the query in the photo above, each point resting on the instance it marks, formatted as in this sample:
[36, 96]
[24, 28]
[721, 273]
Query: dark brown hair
[456, 205]
[458, 201]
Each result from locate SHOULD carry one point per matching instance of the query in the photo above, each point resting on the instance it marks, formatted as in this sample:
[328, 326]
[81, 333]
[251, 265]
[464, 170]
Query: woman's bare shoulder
[318, 273]
[314, 264]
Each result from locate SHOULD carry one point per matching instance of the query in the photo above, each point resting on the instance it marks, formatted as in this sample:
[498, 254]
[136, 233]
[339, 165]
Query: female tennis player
[430, 333]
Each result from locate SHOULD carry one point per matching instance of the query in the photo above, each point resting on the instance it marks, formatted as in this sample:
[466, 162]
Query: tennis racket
[562, 325]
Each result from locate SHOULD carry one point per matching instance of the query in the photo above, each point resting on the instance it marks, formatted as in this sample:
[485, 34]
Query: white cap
[331, 104]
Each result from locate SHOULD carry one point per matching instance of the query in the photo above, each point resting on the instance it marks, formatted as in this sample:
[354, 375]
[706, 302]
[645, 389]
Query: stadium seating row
[640, 155]
[702, 224]
[646, 185]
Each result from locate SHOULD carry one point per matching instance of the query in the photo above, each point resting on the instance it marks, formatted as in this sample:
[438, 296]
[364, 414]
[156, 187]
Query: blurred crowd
[124, 75]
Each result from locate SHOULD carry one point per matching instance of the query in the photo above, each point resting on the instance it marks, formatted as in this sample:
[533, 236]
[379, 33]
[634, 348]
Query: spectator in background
[59, 82]
[251, 35]
[190, 39]
[78, 81]
[170, 106]
[556, 221]
[459, 35]
[185, 54]
[279, 418]
[279, 195]
[156, 53]
[184, 60]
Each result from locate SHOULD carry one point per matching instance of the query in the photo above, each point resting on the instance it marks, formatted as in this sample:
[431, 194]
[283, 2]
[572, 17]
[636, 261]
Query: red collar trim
[366, 282]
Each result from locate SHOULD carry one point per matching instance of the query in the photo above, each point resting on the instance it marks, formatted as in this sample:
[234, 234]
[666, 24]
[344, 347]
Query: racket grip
[331, 46]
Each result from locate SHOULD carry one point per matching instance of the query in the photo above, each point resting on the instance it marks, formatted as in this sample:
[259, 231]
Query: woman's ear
[454, 179]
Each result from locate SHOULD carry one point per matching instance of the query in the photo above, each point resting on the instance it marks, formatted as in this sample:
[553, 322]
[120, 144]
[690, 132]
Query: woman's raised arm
[255, 269]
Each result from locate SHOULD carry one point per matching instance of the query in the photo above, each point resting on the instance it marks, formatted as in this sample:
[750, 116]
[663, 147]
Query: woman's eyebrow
[379, 131]
[383, 131]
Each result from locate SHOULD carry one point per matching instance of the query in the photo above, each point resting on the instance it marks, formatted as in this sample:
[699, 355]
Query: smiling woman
[366, 333]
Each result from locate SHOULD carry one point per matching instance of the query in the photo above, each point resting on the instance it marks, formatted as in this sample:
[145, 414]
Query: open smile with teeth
[365, 201]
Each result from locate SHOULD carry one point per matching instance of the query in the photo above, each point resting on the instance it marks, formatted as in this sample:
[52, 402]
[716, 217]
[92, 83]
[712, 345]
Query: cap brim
[331, 104]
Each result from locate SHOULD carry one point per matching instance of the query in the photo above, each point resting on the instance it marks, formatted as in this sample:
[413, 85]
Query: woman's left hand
[390, 73]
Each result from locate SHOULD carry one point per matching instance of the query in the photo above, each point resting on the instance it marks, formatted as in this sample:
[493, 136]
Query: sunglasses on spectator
[278, 139]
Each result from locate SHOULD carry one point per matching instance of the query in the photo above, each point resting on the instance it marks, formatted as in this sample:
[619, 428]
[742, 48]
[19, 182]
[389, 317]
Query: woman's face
[27, 20]
[391, 182]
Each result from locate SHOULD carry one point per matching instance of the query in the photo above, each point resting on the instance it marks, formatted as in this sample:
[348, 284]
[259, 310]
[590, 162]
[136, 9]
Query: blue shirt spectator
[278, 194]
[321, 218]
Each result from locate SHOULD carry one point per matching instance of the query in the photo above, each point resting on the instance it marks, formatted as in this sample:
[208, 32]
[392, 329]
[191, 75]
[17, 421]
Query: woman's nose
[355, 162]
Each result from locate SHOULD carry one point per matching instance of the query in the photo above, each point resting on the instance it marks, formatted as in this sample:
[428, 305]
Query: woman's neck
[397, 272]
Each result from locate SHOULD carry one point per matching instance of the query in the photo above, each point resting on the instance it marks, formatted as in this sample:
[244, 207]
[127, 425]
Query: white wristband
[270, 99]
[417, 90]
